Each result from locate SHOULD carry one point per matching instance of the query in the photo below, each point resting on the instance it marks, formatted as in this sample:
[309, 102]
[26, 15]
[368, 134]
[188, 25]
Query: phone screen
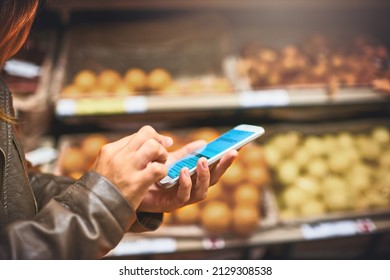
[212, 149]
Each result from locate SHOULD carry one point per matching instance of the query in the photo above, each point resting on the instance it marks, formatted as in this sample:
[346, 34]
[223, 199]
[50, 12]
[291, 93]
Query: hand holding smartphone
[213, 151]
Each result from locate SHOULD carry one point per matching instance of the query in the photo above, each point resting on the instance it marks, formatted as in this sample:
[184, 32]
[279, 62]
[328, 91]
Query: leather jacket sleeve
[46, 186]
[81, 219]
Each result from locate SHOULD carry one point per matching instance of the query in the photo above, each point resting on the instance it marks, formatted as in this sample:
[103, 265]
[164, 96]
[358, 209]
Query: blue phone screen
[212, 149]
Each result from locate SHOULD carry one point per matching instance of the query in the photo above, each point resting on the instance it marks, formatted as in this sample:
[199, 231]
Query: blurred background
[314, 74]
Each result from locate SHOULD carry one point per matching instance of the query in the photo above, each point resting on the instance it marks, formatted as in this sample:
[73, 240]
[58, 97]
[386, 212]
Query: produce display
[317, 174]
[233, 205]
[281, 187]
[78, 154]
[136, 81]
[317, 61]
[311, 176]
[158, 57]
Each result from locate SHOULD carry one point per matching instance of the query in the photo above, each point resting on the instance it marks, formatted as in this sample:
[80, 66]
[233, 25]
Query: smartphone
[212, 151]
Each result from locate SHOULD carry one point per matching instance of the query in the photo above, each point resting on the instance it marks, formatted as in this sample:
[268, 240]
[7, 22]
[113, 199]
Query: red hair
[16, 19]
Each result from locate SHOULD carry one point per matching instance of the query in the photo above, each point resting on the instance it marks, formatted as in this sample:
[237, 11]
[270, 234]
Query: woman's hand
[189, 189]
[134, 162]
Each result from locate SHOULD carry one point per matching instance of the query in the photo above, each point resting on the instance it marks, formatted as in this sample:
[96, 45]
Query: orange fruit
[159, 79]
[233, 176]
[214, 192]
[252, 154]
[109, 80]
[70, 91]
[85, 80]
[216, 217]
[245, 219]
[123, 90]
[247, 194]
[136, 79]
[258, 175]
[76, 174]
[168, 218]
[188, 214]
[92, 144]
[73, 160]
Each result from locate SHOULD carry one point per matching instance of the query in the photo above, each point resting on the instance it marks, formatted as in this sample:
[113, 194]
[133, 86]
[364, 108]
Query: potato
[287, 172]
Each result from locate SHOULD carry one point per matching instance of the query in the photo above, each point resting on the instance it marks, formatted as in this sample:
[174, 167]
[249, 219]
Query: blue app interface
[212, 149]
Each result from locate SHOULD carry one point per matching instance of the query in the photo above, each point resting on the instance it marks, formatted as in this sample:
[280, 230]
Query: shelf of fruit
[321, 172]
[294, 184]
[153, 243]
[326, 182]
[137, 92]
[239, 205]
[319, 70]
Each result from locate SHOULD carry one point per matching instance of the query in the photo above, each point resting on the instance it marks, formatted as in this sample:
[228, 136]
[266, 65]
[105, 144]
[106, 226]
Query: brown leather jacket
[49, 217]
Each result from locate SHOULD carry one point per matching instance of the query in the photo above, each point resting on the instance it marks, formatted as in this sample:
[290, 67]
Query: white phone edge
[168, 182]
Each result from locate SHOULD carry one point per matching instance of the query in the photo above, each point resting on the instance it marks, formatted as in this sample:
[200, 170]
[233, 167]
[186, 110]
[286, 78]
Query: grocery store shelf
[272, 230]
[286, 107]
[156, 243]
[202, 4]
[65, 8]
[71, 107]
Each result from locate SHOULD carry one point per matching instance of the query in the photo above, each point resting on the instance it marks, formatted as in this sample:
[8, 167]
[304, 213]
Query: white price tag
[22, 68]
[213, 243]
[264, 98]
[66, 107]
[338, 228]
[42, 155]
[136, 104]
[144, 246]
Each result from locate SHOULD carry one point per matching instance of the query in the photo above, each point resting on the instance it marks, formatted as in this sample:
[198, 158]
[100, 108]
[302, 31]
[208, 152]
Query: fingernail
[205, 164]
[186, 172]
[168, 141]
